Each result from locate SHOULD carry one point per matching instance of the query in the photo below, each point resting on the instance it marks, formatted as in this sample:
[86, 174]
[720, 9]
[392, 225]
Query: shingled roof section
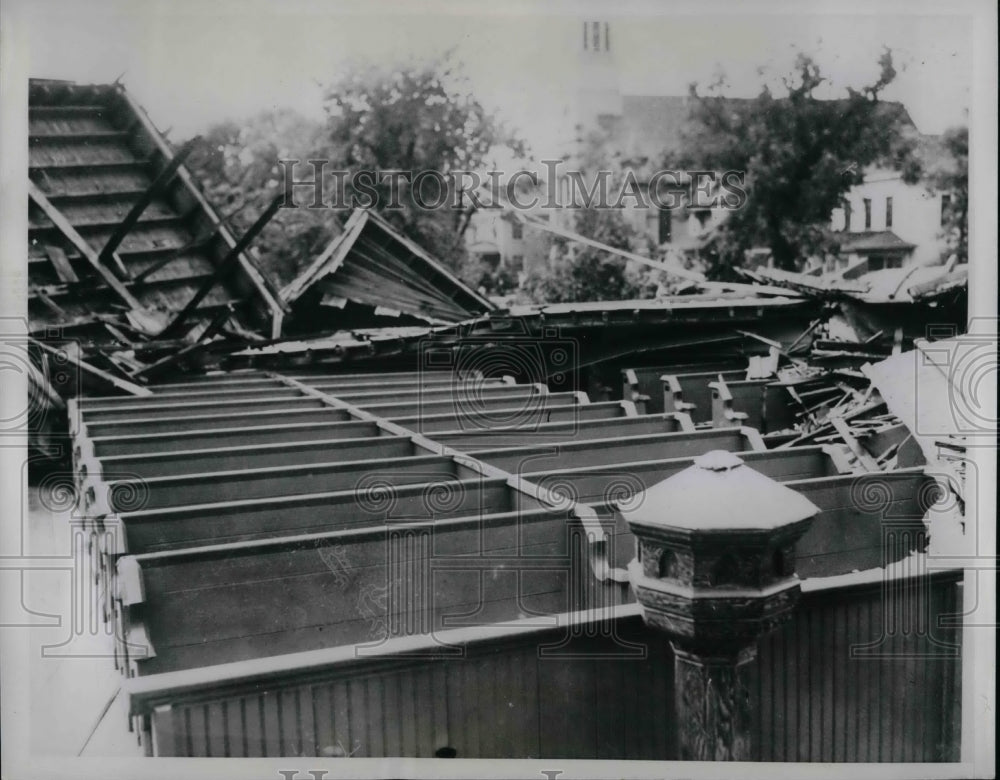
[875, 241]
[373, 275]
[93, 153]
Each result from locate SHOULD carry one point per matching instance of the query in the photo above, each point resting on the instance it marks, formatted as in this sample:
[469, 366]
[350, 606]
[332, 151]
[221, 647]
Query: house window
[847, 215]
[888, 213]
[517, 231]
[665, 227]
[868, 213]
[945, 208]
[596, 30]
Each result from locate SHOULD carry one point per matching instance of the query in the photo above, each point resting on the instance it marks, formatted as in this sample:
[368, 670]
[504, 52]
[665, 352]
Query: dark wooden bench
[385, 495]
[253, 456]
[313, 412]
[593, 452]
[566, 431]
[690, 393]
[236, 601]
[204, 487]
[525, 416]
[136, 444]
[172, 409]
[644, 382]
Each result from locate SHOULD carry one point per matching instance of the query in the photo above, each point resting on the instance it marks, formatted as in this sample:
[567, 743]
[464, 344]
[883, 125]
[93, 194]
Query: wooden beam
[81, 245]
[154, 190]
[87, 368]
[61, 263]
[866, 460]
[692, 276]
[213, 327]
[228, 263]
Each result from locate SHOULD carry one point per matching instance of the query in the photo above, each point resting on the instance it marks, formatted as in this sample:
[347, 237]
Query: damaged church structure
[375, 514]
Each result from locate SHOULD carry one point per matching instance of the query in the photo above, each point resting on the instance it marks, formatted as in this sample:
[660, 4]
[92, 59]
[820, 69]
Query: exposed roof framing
[95, 160]
[374, 266]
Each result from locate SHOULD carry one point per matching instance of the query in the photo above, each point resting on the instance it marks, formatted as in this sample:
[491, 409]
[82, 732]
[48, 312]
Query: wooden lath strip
[419, 252]
[81, 245]
[398, 266]
[375, 271]
[373, 287]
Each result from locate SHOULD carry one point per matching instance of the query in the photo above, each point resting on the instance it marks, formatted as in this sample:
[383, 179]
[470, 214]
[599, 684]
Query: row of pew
[248, 516]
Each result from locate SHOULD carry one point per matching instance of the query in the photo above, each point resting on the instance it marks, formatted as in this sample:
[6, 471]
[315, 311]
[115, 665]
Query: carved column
[715, 571]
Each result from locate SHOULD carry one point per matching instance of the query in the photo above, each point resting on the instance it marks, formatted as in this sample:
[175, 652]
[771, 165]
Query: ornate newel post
[714, 570]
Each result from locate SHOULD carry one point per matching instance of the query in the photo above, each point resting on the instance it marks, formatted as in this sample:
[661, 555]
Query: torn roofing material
[374, 266]
[94, 155]
[942, 390]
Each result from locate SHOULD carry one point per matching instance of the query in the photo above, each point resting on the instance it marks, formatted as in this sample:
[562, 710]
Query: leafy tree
[951, 178]
[581, 273]
[237, 166]
[800, 155]
[407, 118]
[414, 119]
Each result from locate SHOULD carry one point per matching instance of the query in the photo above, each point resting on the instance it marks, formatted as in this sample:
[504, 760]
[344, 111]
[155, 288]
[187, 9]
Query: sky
[193, 64]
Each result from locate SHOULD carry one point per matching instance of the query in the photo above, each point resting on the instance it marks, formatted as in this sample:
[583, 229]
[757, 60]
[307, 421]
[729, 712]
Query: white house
[889, 223]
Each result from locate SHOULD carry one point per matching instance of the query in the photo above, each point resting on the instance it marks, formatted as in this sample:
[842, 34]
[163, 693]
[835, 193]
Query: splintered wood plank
[93, 371]
[60, 262]
[81, 245]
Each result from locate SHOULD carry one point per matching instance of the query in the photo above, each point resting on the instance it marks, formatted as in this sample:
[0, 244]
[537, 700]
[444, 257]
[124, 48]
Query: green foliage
[581, 273]
[237, 166]
[421, 118]
[801, 155]
[381, 119]
[951, 178]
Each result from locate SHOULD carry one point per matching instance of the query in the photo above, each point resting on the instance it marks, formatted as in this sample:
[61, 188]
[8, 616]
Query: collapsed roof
[372, 274]
[120, 238]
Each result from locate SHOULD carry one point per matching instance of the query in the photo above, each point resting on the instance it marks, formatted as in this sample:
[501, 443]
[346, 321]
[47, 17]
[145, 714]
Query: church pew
[136, 444]
[866, 520]
[285, 480]
[760, 403]
[645, 381]
[565, 431]
[489, 410]
[443, 375]
[256, 456]
[427, 384]
[525, 416]
[738, 402]
[236, 601]
[313, 412]
[377, 501]
[588, 484]
[606, 487]
[268, 389]
[593, 452]
[690, 393]
[174, 409]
